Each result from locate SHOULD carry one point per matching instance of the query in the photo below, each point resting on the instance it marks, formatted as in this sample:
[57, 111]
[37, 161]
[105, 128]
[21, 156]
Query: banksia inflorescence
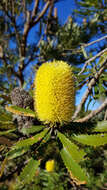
[54, 92]
[50, 164]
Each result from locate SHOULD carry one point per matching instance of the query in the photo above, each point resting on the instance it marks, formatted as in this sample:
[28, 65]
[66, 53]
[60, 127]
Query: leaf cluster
[69, 147]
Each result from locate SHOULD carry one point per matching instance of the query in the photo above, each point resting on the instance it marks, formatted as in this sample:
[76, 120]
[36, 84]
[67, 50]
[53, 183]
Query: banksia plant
[54, 92]
[54, 100]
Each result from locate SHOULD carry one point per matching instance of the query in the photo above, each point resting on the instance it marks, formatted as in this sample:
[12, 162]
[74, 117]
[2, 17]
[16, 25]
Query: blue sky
[65, 8]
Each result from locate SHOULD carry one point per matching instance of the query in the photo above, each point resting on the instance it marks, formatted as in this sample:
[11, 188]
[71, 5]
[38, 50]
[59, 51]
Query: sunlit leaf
[92, 140]
[76, 173]
[20, 111]
[76, 153]
[32, 140]
[101, 126]
[32, 129]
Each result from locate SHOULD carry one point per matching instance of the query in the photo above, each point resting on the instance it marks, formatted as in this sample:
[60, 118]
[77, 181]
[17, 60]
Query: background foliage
[30, 34]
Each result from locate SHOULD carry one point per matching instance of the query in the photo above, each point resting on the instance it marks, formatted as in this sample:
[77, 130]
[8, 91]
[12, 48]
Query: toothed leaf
[6, 132]
[101, 126]
[29, 171]
[92, 140]
[76, 172]
[7, 125]
[45, 139]
[14, 153]
[73, 149]
[20, 111]
[3, 166]
[4, 117]
[30, 141]
[32, 129]
[6, 121]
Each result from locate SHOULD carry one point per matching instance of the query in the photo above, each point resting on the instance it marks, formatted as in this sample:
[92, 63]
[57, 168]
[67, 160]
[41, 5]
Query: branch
[42, 13]
[30, 23]
[24, 7]
[98, 55]
[35, 9]
[31, 58]
[88, 91]
[93, 113]
[12, 7]
[91, 59]
[13, 21]
[17, 35]
[102, 38]
[51, 9]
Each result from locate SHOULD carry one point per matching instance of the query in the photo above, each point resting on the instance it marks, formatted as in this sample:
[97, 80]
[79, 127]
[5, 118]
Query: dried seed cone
[54, 92]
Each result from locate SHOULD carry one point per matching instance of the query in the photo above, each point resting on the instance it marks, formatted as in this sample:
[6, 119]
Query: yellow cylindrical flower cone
[50, 164]
[54, 92]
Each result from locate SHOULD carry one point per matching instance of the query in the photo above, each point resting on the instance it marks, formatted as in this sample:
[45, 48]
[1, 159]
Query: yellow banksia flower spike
[50, 164]
[54, 94]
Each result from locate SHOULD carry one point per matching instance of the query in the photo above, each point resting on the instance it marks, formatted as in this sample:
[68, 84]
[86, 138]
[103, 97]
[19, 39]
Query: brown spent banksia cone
[21, 98]
[54, 94]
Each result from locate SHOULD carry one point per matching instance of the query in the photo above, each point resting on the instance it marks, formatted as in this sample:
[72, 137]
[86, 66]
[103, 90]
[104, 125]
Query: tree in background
[31, 34]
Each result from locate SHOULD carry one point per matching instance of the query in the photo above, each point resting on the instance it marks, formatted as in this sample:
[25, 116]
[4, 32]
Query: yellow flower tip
[54, 93]
[50, 164]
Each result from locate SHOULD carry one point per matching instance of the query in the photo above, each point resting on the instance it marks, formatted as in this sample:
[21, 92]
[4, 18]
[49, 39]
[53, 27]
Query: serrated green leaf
[29, 171]
[73, 149]
[101, 127]
[6, 122]
[76, 173]
[45, 139]
[7, 125]
[6, 132]
[14, 153]
[92, 140]
[20, 111]
[5, 117]
[3, 166]
[32, 129]
[103, 58]
[30, 141]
